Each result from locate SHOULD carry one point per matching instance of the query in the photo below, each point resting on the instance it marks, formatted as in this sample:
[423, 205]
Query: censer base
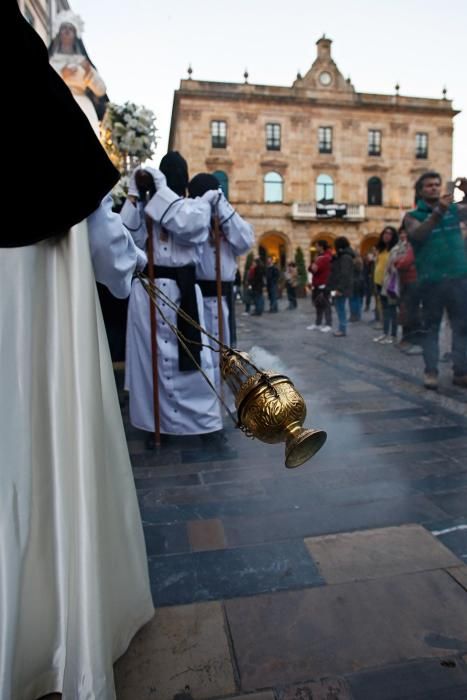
[301, 448]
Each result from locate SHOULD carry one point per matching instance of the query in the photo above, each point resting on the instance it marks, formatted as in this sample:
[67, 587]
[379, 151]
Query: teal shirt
[441, 255]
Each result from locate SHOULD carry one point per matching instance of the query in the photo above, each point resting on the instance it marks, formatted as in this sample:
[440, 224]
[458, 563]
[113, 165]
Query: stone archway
[275, 244]
[368, 242]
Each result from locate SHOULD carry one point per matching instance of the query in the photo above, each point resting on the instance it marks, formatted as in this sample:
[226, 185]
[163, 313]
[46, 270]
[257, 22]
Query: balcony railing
[306, 211]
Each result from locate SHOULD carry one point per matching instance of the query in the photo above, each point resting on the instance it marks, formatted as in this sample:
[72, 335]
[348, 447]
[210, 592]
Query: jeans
[258, 300]
[449, 294]
[273, 294]
[292, 296]
[340, 304]
[389, 316]
[356, 304]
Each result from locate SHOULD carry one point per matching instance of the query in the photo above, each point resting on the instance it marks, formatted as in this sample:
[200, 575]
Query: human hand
[68, 72]
[445, 200]
[211, 197]
[86, 65]
[461, 183]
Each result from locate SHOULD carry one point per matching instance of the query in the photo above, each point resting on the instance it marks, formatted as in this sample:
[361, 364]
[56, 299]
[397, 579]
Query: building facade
[314, 160]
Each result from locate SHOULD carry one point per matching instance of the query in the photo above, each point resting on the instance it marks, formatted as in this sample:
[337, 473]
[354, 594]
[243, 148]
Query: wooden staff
[220, 309]
[152, 319]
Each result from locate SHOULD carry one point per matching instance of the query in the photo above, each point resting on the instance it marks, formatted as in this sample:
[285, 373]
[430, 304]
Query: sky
[143, 48]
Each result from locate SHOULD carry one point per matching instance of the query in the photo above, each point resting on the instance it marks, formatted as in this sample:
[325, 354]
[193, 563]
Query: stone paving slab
[444, 679]
[182, 646]
[459, 573]
[285, 638]
[226, 573]
[321, 689]
[370, 554]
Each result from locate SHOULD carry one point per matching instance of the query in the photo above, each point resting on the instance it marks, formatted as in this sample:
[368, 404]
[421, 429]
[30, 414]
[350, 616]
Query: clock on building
[325, 78]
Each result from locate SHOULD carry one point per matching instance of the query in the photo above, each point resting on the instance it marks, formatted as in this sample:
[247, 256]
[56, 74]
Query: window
[325, 189]
[223, 181]
[273, 187]
[374, 142]
[325, 139]
[218, 134]
[273, 137]
[375, 192]
[421, 145]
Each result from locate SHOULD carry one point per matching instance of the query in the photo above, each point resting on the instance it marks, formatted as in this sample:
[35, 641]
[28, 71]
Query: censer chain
[150, 286]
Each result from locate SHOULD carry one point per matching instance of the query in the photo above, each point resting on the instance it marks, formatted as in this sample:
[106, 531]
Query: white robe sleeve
[236, 230]
[114, 255]
[186, 219]
[133, 218]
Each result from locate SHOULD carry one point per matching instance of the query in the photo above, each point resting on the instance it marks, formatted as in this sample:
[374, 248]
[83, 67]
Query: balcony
[306, 211]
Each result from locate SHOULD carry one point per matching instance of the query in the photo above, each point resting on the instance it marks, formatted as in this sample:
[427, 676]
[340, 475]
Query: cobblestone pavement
[344, 578]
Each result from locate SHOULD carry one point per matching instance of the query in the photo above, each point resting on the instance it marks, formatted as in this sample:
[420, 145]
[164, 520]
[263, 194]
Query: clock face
[325, 78]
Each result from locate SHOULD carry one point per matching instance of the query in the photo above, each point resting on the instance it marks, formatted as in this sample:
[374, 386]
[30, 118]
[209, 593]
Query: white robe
[187, 404]
[237, 238]
[79, 82]
[74, 585]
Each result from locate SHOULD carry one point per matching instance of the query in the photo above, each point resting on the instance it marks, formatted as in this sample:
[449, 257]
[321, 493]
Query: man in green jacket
[440, 258]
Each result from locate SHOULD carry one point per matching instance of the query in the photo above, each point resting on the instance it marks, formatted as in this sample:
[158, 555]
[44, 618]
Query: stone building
[314, 160]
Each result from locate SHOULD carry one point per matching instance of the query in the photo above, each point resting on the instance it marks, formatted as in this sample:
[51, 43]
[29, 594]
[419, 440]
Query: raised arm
[115, 257]
[236, 230]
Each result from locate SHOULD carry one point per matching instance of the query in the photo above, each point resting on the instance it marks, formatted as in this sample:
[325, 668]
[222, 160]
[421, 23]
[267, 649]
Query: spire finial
[245, 75]
[190, 71]
[398, 87]
[445, 92]
[299, 75]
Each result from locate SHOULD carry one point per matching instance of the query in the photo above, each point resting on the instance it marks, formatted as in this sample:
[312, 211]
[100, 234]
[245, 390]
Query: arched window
[223, 181]
[273, 187]
[325, 189]
[375, 192]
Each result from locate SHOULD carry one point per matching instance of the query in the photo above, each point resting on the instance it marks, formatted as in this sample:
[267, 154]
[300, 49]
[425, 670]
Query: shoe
[377, 326]
[326, 329]
[245, 313]
[460, 380]
[387, 341]
[430, 381]
[379, 338]
[414, 350]
[403, 345]
[313, 327]
[339, 334]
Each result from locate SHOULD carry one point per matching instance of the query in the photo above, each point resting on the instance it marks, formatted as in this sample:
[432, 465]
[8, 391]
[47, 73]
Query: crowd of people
[407, 281]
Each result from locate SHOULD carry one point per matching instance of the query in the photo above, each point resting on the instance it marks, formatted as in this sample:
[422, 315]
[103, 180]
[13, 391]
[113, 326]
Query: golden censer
[270, 408]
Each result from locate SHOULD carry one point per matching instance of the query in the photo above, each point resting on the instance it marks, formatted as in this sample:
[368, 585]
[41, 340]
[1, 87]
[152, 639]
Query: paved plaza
[344, 579]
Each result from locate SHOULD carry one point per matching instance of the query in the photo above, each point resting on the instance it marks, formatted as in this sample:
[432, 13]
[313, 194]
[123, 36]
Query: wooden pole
[220, 309]
[153, 325]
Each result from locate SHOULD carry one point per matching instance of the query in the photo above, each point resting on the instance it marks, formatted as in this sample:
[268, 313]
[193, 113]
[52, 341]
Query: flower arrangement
[128, 133]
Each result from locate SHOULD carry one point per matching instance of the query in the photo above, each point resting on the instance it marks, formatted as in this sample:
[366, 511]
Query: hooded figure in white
[180, 226]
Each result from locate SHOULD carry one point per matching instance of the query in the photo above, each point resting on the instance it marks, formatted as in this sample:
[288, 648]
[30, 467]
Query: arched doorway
[368, 243]
[274, 245]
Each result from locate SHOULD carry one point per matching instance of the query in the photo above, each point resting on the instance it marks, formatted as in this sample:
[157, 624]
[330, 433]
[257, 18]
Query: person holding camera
[434, 229]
